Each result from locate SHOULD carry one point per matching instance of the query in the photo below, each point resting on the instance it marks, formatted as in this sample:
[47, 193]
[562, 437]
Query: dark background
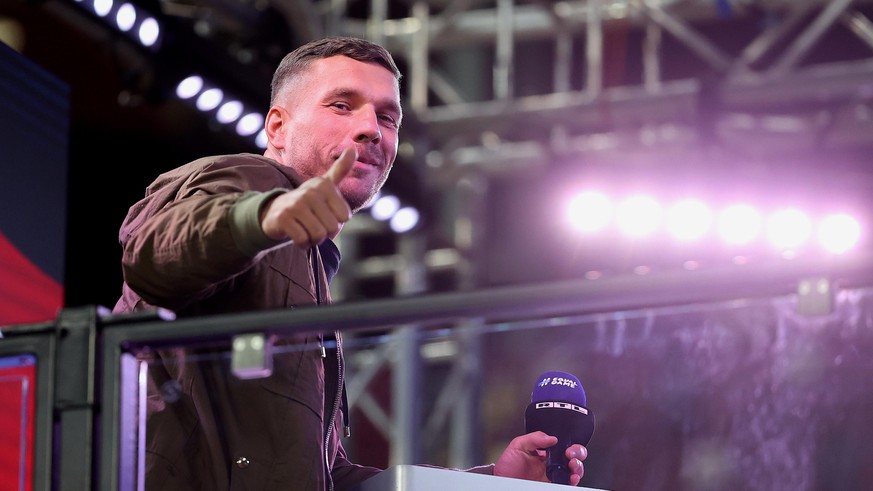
[116, 148]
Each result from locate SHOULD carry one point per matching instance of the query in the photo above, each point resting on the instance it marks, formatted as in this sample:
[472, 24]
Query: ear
[275, 126]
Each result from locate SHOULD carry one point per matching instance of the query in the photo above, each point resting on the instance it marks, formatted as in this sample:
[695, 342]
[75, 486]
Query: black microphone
[557, 407]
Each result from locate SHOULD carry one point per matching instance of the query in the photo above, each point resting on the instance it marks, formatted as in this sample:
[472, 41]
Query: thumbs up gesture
[313, 211]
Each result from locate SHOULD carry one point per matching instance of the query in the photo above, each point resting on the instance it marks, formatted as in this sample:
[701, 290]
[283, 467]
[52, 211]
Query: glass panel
[737, 395]
[743, 394]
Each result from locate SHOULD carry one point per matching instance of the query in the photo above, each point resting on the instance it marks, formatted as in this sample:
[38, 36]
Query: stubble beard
[357, 201]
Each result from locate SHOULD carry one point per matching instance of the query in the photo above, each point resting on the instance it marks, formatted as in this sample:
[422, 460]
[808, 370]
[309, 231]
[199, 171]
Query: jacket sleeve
[188, 241]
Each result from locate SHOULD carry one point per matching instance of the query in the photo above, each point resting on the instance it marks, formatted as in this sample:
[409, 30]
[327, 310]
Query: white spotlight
[589, 211]
[149, 31]
[689, 220]
[261, 139]
[385, 207]
[229, 112]
[638, 216]
[125, 18]
[404, 220]
[189, 87]
[838, 233]
[102, 7]
[788, 228]
[249, 124]
[209, 99]
[739, 224]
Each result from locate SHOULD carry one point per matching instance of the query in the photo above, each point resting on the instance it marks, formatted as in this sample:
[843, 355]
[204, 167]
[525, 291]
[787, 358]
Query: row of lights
[227, 110]
[690, 220]
[208, 98]
[128, 19]
[389, 209]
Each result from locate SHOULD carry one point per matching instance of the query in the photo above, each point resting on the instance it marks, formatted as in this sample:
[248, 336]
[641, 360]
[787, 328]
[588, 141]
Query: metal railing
[86, 377]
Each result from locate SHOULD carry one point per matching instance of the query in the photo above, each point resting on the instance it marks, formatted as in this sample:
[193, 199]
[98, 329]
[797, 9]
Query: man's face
[337, 104]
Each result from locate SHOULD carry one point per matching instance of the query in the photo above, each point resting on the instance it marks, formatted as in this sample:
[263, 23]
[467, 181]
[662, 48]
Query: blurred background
[542, 141]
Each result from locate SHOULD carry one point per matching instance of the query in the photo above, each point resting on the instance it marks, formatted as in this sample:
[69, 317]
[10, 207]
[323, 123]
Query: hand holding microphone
[558, 408]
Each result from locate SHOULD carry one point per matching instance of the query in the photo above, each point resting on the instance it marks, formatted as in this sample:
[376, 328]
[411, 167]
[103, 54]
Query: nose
[368, 127]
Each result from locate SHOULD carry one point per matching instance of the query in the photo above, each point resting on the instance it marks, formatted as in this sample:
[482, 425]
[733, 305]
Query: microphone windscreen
[558, 387]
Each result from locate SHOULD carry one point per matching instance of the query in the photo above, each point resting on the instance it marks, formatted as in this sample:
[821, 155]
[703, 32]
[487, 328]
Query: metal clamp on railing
[252, 356]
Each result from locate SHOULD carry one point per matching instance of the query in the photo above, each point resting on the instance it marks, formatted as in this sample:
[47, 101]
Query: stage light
[125, 18]
[739, 224]
[249, 124]
[209, 99]
[102, 7]
[149, 32]
[230, 109]
[689, 220]
[638, 216]
[589, 211]
[788, 228]
[229, 112]
[838, 233]
[189, 87]
[404, 220]
[388, 208]
[261, 139]
[385, 207]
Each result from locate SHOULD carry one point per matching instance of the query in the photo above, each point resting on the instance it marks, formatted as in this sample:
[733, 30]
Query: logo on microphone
[565, 382]
[561, 405]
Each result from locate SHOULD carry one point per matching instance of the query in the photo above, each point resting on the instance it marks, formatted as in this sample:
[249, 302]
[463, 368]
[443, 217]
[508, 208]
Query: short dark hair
[354, 48]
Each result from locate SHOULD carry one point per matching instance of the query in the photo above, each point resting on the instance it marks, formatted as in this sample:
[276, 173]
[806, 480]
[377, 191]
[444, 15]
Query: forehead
[325, 74]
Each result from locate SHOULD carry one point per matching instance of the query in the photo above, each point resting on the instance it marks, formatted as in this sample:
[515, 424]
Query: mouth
[369, 162]
[364, 159]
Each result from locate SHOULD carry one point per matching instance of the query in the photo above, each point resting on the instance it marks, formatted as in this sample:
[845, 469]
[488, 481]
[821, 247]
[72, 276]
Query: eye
[388, 119]
[341, 105]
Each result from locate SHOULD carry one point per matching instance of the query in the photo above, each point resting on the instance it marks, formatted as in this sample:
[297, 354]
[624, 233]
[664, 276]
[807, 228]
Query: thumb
[535, 440]
[342, 166]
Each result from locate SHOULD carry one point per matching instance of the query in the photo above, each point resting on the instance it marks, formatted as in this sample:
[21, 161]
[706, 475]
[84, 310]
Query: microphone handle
[557, 465]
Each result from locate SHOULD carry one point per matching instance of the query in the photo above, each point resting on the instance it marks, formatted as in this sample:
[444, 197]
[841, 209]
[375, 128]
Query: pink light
[639, 216]
[838, 233]
[789, 228]
[589, 211]
[739, 224]
[689, 220]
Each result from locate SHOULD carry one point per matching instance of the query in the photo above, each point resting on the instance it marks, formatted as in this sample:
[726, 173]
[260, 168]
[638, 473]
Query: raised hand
[315, 210]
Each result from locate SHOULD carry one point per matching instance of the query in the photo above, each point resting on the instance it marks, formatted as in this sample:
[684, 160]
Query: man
[242, 232]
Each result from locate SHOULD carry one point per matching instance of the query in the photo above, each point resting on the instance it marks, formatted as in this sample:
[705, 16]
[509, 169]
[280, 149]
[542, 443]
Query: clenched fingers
[312, 212]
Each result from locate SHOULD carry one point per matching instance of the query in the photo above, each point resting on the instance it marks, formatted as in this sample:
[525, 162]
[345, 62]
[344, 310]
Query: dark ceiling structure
[507, 101]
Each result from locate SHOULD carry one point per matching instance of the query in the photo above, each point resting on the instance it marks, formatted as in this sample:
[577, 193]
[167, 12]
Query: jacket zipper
[340, 369]
[334, 408]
